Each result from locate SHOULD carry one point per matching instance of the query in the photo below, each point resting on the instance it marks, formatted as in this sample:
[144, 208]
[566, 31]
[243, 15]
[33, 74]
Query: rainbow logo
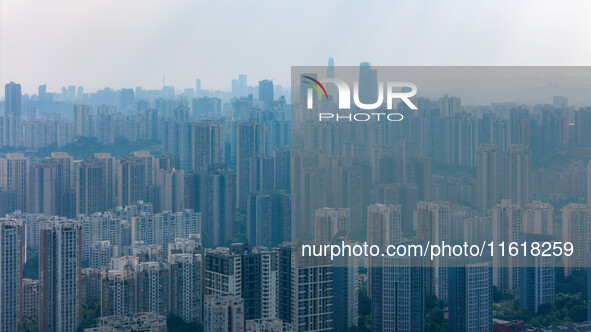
[315, 84]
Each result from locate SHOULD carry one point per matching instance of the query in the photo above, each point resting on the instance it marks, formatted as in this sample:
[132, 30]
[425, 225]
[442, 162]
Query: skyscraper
[576, 223]
[261, 174]
[185, 281]
[433, 224]
[43, 188]
[507, 227]
[282, 169]
[207, 146]
[223, 313]
[171, 185]
[470, 297]
[65, 192]
[268, 218]
[14, 176]
[345, 292]
[110, 165]
[82, 122]
[12, 100]
[398, 294]
[516, 175]
[250, 273]
[168, 162]
[538, 218]
[488, 189]
[305, 282]
[11, 269]
[95, 185]
[59, 275]
[330, 222]
[368, 83]
[250, 142]
[216, 194]
[132, 182]
[536, 276]
[266, 91]
[30, 299]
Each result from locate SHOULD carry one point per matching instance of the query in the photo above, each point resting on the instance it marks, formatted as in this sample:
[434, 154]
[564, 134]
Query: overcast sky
[129, 43]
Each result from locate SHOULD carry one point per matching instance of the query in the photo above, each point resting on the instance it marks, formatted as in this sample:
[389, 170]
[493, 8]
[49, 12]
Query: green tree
[28, 325]
[176, 324]
[90, 312]
[31, 267]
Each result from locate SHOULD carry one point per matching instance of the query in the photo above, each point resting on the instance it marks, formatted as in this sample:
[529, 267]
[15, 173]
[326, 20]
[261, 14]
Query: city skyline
[183, 41]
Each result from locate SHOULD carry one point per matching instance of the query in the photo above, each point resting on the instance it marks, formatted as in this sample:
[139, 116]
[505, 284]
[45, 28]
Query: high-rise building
[65, 193]
[383, 228]
[207, 146]
[110, 165]
[576, 223]
[516, 174]
[345, 302]
[127, 100]
[207, 107]
[433, 224]
[95, 190]
[507, 226]
[11, 269]
[132, 183]
[118, 292]
[536, 275]
[223, 313]
[185, 281]
[330, 222]
[305, 282]
[368, 83]
[216, 195]
[90, 189]
[470, 297]
[59, 275]
[150, 166]
[538, 218]
[42, 93]
[582, 122]
[282, 169]
[43, 192]
[488, 189]
[171, 185]
[250, 273]
[90, 285]
[383, 224]
[266, 91]
[449, 106]
[12, 100]
[168, 162]
[153, 284]
[268, 218]
[30, 299]
[52, 186]
[250, 142]
[242, 85]
[261, 174]
[398, 294]
[100, 254]
[14, 176]
[82, 120]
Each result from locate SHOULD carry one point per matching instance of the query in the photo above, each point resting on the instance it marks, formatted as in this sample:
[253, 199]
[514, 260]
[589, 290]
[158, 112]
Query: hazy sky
[126, 43]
